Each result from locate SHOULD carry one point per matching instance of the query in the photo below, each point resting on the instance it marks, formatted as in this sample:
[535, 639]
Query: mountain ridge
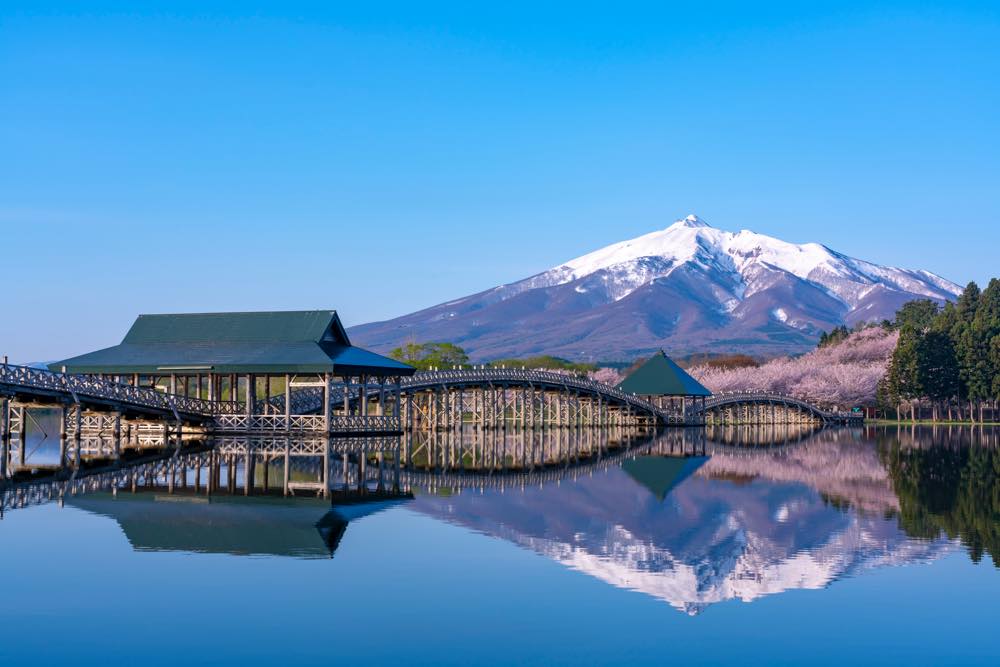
[688, 288]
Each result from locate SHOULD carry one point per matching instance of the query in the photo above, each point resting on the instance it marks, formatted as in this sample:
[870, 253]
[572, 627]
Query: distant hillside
[845, 374]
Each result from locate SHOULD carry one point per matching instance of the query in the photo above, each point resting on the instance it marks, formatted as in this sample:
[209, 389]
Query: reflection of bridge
[434, 461]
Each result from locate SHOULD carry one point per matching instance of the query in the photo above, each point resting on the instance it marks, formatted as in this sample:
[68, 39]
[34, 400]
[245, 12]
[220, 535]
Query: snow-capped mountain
[689, 287]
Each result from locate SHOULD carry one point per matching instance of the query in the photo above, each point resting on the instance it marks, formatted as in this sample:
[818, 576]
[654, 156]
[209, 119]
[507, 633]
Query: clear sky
[378, 158]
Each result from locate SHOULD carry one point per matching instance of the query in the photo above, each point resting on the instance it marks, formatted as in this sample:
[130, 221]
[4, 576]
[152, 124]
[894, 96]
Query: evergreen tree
[936, 366]
[982, 366]
[902, 381]
[960, 330]
[917, 314]
[949, 353]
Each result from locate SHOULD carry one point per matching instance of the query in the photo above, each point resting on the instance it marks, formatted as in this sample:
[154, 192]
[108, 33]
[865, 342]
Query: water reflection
[693, 531]
[692, 517]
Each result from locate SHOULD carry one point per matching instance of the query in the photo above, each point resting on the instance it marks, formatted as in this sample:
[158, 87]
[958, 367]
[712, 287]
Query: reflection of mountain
[267, 526]
[711, 539]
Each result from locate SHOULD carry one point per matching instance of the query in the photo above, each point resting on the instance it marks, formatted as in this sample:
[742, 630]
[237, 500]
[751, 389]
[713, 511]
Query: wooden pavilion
[665, 384]
[257, 362]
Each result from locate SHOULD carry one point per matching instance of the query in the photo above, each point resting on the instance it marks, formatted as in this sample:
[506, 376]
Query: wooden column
[4, 437]
[396, 392]
[288, 401]
[62, 436]
[117, 434]
[78, 435]
[251, 390]
[326, 402]
[287, 477]
[248, 472]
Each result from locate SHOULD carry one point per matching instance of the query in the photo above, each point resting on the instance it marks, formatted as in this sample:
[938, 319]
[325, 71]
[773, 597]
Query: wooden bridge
[762, 408]
[101, 416]
[523, 398]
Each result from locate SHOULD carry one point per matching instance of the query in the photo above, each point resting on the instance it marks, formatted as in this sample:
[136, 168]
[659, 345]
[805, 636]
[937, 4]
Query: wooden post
[4, 437]
[326, 402]
[288, 401]
[397, 391]
[62, 436]
[287, 477]
[363, 395]
[250, 393]
[78, 435]
[248, 472]
[117, 434]
[327, 462]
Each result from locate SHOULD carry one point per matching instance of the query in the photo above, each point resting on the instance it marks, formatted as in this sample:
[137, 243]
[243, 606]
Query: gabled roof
[261, 327]
[312, 341]
[240, 525]
[660, 376]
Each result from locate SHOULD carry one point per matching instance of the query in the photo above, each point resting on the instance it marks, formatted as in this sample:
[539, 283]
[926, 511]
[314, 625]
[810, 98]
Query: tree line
[948, 357]
[445, 356]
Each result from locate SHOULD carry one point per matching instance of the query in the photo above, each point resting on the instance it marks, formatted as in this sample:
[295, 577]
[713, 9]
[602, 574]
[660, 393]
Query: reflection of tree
[950, 490]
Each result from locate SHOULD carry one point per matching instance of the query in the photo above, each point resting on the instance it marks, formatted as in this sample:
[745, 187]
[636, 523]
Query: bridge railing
[524, 376]
[722, 398]
[91, 387]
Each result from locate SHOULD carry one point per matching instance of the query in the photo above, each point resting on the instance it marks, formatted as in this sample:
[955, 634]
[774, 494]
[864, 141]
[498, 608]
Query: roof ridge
[242, 312]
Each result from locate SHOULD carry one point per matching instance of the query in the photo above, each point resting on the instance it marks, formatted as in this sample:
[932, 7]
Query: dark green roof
[262, 327]
[660, 474]
[256, 525]
[270, 342]
[660, 376]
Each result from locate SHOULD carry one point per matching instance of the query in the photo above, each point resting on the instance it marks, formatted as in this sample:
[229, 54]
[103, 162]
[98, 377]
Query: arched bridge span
[759, 407]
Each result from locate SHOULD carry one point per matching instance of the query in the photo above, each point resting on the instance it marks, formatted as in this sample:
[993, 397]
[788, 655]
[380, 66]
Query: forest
[947, 358]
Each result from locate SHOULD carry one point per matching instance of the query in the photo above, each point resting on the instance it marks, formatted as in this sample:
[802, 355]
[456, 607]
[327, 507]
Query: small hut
[668, 386]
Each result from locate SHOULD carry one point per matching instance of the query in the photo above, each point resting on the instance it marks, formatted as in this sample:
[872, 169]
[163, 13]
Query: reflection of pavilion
[660, 474]
[259, 526]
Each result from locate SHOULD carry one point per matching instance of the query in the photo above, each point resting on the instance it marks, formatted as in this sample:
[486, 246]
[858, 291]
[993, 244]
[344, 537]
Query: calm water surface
[871, 546]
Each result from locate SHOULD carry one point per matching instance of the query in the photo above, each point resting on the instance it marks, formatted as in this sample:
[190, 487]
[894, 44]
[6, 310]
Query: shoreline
[926, 422]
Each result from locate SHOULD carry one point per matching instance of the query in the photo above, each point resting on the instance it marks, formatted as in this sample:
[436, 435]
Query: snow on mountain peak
[688, 287]
[736, 261]
[690, 221]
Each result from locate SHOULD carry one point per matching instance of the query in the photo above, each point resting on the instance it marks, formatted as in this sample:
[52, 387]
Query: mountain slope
[688, 288]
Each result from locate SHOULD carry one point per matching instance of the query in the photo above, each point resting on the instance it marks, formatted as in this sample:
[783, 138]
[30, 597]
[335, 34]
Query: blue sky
[380, 158]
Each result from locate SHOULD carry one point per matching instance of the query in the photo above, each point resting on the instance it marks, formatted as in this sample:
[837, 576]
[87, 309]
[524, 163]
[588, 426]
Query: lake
[738, 546]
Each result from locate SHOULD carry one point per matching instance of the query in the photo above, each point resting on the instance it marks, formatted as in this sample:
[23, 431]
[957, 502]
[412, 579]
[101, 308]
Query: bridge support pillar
[118, 436]
[4, 438]
[78, 435]
[63, 416]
